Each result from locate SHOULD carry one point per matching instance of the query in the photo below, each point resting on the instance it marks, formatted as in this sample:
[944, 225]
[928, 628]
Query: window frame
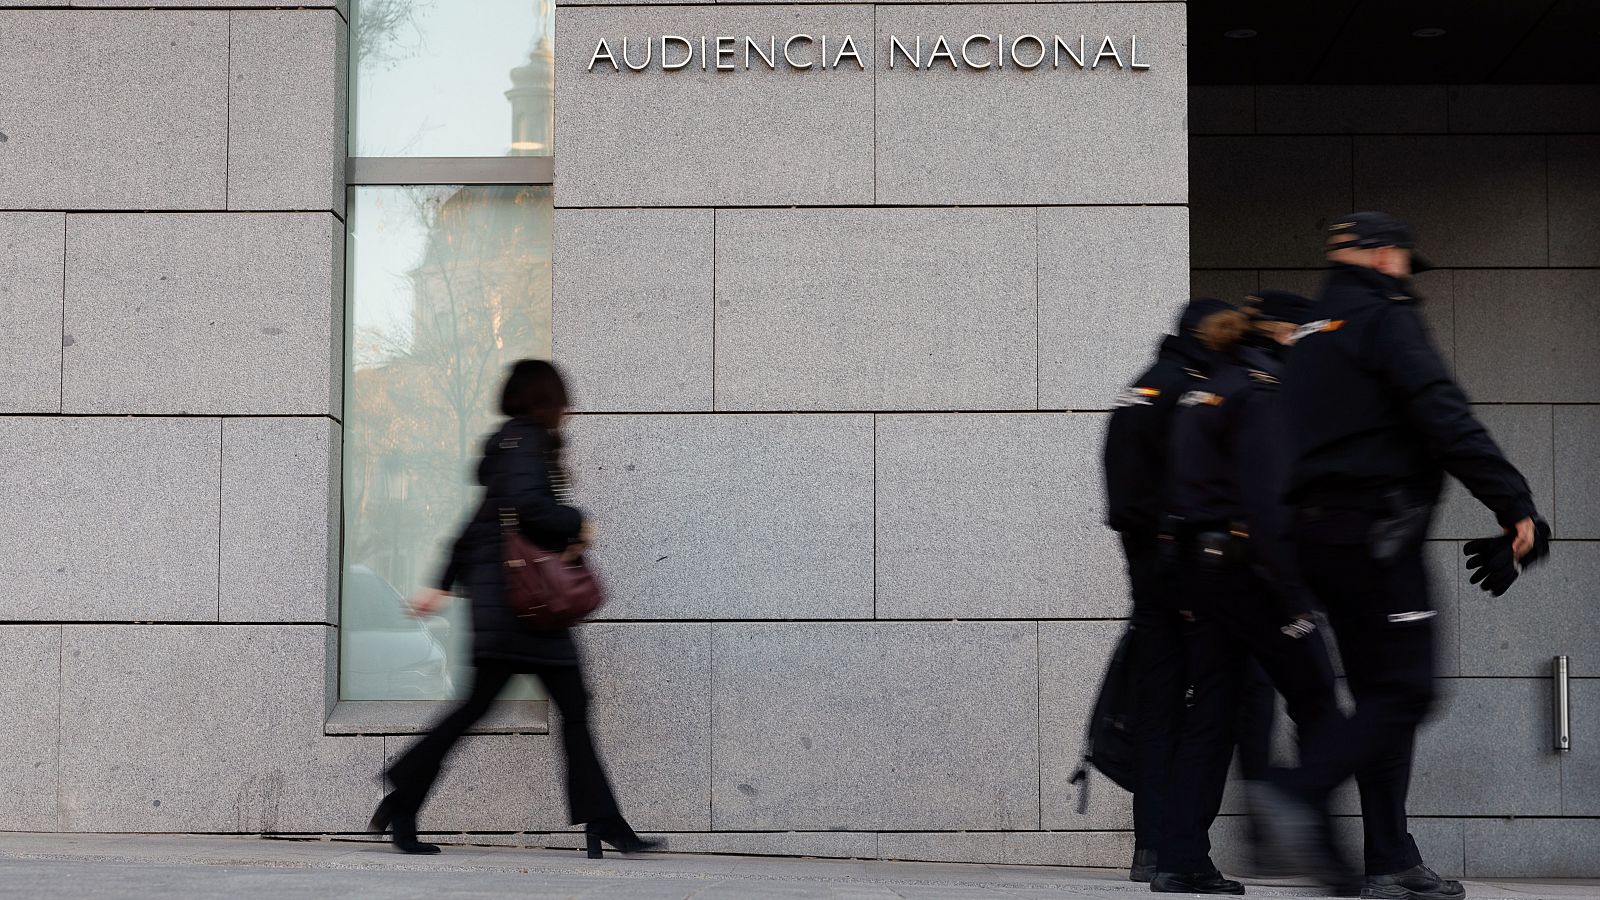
[353, 718]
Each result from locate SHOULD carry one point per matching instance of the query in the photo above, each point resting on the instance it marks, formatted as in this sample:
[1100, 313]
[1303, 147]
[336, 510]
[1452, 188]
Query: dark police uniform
[1239, 580]
[1375, 420]
[1135, 461]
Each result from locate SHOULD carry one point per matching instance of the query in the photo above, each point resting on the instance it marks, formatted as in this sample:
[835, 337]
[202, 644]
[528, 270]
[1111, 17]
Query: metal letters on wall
[804, 52]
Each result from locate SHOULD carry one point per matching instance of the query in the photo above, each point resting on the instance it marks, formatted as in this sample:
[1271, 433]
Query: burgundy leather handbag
[546, 590]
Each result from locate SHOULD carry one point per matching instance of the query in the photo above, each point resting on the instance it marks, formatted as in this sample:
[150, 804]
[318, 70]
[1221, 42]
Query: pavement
[51, 866]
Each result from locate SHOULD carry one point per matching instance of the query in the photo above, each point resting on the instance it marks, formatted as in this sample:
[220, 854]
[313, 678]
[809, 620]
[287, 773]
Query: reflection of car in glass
[388, 654]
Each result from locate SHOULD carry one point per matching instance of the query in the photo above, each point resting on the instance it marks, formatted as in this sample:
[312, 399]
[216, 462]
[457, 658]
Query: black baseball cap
[1372, 229]
[1281, 306]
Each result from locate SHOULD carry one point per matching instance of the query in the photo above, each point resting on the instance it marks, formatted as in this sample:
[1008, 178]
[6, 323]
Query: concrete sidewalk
[50, 866]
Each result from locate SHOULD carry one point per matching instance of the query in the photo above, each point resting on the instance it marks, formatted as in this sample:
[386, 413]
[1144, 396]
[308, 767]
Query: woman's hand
[425, 602]
[581, 545]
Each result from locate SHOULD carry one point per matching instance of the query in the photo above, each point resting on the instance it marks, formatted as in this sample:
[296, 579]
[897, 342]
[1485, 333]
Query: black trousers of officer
[1384, 624]
[1235, 621]
[1160, 680]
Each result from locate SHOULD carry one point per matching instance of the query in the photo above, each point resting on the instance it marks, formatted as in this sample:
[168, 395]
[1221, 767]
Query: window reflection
[435, 77]
[448, 285]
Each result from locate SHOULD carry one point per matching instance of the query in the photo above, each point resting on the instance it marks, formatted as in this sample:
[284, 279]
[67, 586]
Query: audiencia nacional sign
[804, 52]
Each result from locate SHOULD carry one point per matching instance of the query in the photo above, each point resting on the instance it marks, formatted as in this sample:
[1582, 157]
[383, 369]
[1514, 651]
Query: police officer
[1135, 461]
[1375, 420]
[1239, 584]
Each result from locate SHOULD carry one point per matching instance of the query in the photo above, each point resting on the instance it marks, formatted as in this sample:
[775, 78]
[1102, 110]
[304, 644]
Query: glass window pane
[448, 285]
[452, 78]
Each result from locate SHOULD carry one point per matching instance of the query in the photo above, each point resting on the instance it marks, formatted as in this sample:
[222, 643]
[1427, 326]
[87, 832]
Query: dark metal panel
[450, 170]
[1559, 50]
[1385, 41]
[1289, 39]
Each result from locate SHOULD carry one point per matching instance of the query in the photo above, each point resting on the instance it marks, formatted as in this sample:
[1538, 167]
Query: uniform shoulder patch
[1137, 396]
[1200, 398]
[1318, 327]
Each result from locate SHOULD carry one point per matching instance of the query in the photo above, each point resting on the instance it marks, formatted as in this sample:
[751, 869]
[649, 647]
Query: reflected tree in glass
[449, 286]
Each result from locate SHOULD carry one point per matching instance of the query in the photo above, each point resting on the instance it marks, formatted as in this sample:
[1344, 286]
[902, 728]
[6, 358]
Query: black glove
[1493, 565]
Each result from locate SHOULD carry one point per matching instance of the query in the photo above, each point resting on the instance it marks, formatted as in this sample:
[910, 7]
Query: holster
[1217, 550]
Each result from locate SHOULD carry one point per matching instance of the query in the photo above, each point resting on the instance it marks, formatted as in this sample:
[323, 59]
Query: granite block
[891, 725]
[707, 138]
[494, 782]
[823, 844]
[1549, 611]
[286, 110]
[341, 5]
[1222, 109]
[1439, 841]
[280, 520]
[1447, 581]
[30, 722]
[211, 728]
[1101, 849]
[1109, 279]
[1013, 135]
[729, 516]
[1224, 284]
[864, 309]
[1072, 661]
[232, 314]
[109, 519]
[1482, 729]
[1474, 200]
[1576, 511]
[632, 316]
[1580, 766]
[1528, 336]
[943, 846]
[1532, 848]
[652, 708]
[1524, 434]
[154, 96]
[1524, 108]
[1351, 109]
[32, 257]
[1265, 201]
[1575, 200]
[994, 516]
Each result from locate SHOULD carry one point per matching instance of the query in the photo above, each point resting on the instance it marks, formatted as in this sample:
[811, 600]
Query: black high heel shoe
[391, 813]
[618, 833]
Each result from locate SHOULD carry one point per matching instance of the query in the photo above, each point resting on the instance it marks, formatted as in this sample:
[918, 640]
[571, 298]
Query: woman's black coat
[515, 474]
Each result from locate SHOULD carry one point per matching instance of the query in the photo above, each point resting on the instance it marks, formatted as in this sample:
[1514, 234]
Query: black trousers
[1235, 624]
[589, 796]
[1160, 678]
[1384, 624]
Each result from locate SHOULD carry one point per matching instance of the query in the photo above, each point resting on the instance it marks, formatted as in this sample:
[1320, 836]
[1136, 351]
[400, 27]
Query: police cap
[1197, 309]
[1371, 229]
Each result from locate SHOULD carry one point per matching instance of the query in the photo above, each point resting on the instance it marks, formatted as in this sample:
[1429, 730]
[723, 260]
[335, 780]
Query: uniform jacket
[1372, 406]
[1230, 464]
[1135, 454]
[515, 474]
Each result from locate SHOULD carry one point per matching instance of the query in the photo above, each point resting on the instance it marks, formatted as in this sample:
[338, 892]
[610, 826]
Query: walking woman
[521, 470]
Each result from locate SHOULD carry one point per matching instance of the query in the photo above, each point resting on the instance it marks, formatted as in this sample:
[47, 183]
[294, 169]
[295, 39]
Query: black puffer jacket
[516, 474]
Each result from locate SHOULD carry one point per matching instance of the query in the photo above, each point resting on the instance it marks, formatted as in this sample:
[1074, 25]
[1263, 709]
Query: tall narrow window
[448, 268]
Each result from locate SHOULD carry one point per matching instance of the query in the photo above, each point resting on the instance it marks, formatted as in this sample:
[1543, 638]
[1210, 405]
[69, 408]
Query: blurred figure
[1239, 589]
[521, 469]
[1375, 421]
[1135, 459]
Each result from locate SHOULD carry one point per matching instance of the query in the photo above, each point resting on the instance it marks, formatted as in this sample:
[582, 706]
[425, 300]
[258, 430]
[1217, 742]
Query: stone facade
[845, 344]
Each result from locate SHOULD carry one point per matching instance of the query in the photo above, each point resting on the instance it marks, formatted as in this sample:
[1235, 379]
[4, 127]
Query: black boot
[397, 813]
[1210, 882]
[1416, 883]
[615, 831]
[1144, 866]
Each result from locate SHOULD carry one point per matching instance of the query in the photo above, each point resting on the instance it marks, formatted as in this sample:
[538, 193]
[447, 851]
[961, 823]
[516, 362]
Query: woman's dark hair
[1223, 329]
[535, 390]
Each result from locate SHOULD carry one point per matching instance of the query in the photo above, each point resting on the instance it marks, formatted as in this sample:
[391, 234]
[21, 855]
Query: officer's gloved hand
[1541, 543]
[1493, 565]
